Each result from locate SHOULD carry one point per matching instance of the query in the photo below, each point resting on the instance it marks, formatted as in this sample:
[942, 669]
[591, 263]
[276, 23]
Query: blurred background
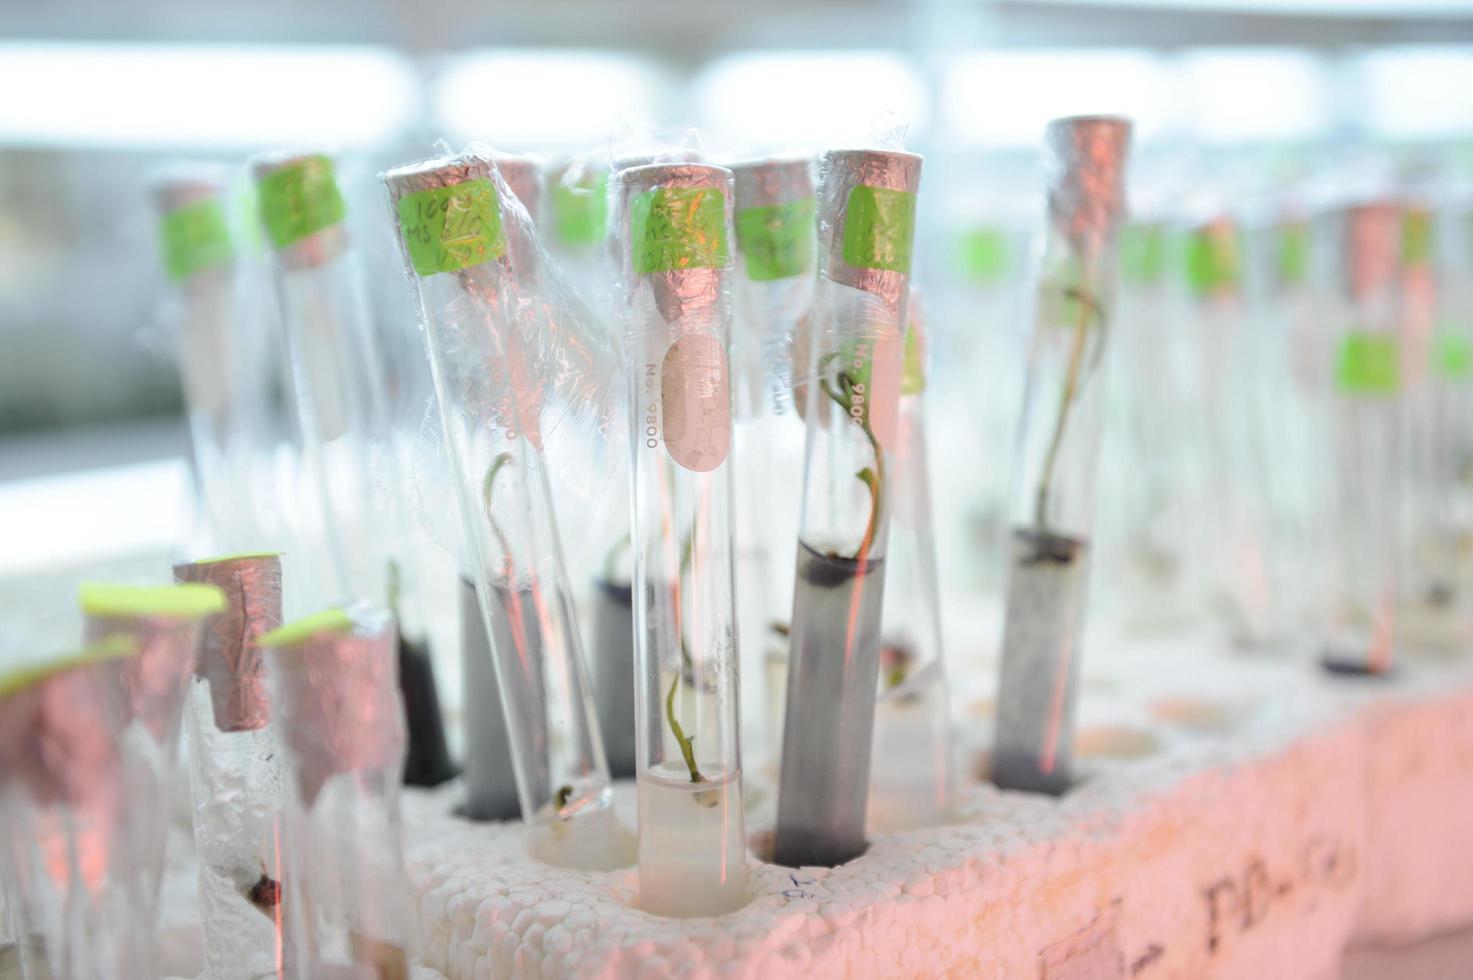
[1250, 115]
[1236, 103]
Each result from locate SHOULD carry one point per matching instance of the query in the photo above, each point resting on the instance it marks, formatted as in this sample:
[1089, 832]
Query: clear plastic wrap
[911, 769]
[1436, 589]
[772, 295]
[222, 360]
[674, 222]
[866, 230]
[1247, 592]
[344, 895]
[354, 510]
[1367, 439]
[1058, 453]
[512, 371]
[162, 624]
[1152, 481]
[238, 776]
[78, 893]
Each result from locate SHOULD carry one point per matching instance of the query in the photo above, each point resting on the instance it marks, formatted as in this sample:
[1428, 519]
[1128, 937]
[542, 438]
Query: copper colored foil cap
[430, 175]
[181, 187]
[1372, 248]
[229, 660]
[762, 183]
[59, 737]
[840, 172]
[692, 295]
[1085, 159]
[316, 249]
[340, 702]
[524, 177]
[156, 678]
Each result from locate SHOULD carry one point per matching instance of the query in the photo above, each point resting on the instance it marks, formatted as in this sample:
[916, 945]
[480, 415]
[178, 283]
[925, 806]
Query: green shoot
[873, 479]
[1089, 311]
[687, 749]
[487, 487]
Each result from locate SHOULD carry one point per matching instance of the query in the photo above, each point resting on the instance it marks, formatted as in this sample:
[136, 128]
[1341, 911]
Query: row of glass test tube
[297, 753]
[699, 250]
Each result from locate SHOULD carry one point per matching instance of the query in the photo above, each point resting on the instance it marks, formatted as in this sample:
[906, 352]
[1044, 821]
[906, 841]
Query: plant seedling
[1048, 546]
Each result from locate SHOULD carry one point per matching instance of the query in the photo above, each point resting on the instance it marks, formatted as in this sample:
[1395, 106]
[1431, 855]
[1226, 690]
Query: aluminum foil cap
[1372, 248]
[340, 705]
[155, 679]
[229, 660]
[1085, 159]
[678, 238]
[180, 187]
[59, 737]
[866, 220]
[762, 183]
[524, 176]
[302, 218]
[521, 252]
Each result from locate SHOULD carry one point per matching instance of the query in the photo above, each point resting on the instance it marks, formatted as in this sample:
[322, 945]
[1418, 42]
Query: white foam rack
[1235, 817]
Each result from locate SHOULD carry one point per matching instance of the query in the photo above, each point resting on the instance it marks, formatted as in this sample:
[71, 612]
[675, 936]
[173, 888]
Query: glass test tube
[163, 624]
[911, 770]
[613, 589]
[215, 361]
[1153, 420]
[772, 295]
[1058, 452]
[76, 887]
[866, 230]
[1362, 631]
[492, 354]
[354, 514]
[675, 220]
[237, 772]
[1434, 606]
[333, 687]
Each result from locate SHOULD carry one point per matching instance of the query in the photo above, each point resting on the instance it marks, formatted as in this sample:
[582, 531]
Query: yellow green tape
[18, 679]
[188, 600]
[299, 200]
[777, 240]
[675, 228]
[302, 630]
[194, 238]
[879, 228]
[451, 228]
[1368, 364]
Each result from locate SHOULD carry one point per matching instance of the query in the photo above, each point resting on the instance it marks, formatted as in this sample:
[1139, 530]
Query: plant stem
[487, 486]
[1089, 308]
[873, 479]
[684, 741]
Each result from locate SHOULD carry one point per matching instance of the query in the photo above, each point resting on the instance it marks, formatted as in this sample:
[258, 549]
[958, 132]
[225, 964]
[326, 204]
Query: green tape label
[1452, 354]
[1291, 253]
[1212, 259]
[450, 228]
[673, 228]
[912, 363]
[300, 200]
[984, 255]
[879, 228]
[195, 237]
[1416, 237]
[777, 240]
[1143, 254]
[580, 214]
[1368, 364]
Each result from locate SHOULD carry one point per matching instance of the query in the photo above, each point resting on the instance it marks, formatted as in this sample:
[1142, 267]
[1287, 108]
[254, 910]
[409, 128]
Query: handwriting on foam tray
[1239, 902]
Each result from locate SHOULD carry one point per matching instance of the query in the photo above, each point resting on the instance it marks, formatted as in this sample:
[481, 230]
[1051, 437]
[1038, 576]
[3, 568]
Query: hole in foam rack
[1115, 742]
[1194, 713]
